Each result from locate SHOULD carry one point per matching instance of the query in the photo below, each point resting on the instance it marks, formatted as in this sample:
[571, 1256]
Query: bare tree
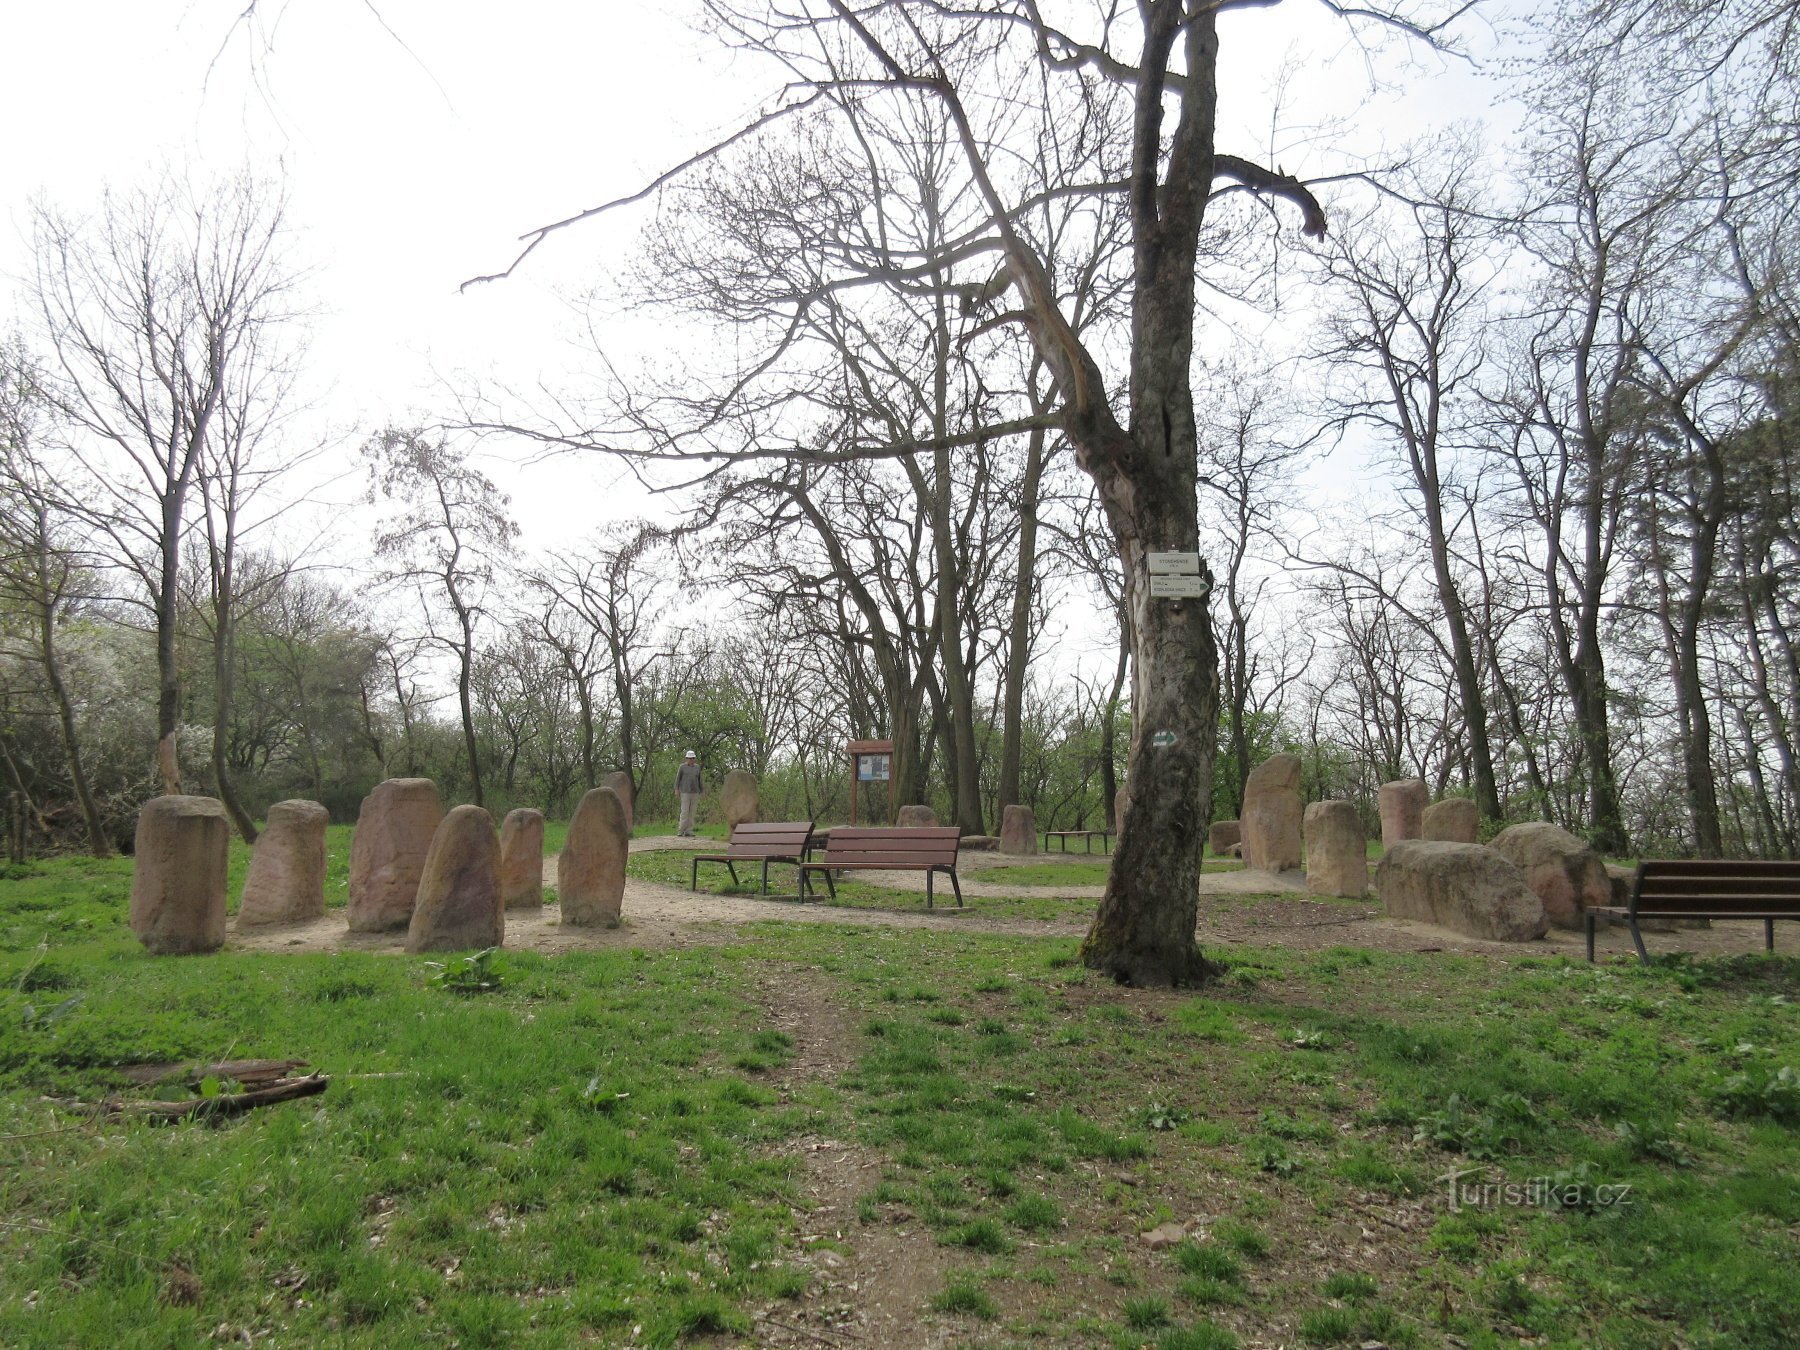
[42, 569]
[156, 311]
[1133, 431]
[448, 536]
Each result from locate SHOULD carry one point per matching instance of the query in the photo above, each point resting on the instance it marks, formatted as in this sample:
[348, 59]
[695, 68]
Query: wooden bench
[928, 848]
[1087, 836]
[785, 841]
[1685, 888]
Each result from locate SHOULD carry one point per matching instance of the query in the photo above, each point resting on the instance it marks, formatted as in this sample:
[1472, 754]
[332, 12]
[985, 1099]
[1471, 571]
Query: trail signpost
[1176, 576]
[870, 762]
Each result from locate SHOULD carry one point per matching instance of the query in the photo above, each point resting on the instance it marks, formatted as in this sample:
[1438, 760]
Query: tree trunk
[1109, 774]
[1018, 644]
[224, 680]
[965, 759]
[168, 672]
[98, 844]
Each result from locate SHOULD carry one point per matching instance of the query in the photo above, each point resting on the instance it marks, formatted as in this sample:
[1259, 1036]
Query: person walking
[690, 786]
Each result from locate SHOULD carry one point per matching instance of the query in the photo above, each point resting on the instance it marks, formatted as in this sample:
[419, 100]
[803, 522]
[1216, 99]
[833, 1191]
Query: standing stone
[286, 880]
[178, 875]
[1270, 824]
[1567, 875]
[1337, 855]
[1403, 805]
[1461, 886]
[459, 891]
[590, 873]
[387, 852]
[1018, 831]
[915, 817]
[620, 783]
[1455, 820]
[522, 859]
[1224, 834]
[737, 798]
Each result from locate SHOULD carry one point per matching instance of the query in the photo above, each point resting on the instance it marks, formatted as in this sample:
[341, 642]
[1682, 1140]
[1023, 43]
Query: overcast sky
[418, 138]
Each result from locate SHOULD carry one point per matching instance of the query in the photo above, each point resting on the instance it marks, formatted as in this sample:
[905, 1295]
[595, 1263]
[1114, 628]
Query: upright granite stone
[737, 798]
[620, 783]
[1566, 874]
[387, 852]
[522, 860]
[1223, 835]
[1271, 821]
[459, 891]
[915, 817]
[1461, 886]
[1337, 854]
[1402, 804]
[178, 875]
[1455, 820]
[1018, 831]
[286, 880]
[590, 873]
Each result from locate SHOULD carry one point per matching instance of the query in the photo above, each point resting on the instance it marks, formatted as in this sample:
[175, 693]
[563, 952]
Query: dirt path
[659, 916]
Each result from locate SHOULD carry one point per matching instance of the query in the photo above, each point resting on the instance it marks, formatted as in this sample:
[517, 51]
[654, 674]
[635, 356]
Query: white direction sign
[1174, 564]
[1179, 588]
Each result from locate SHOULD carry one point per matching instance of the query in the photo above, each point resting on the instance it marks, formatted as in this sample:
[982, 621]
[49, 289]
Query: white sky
[415, 157]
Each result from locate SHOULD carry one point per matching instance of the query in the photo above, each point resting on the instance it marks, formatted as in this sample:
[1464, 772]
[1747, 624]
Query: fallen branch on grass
[224, 1104]
[249, 1072]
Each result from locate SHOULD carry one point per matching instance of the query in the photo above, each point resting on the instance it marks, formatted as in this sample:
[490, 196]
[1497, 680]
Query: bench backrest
[1713, 885]
[769, 838]
[920, 846]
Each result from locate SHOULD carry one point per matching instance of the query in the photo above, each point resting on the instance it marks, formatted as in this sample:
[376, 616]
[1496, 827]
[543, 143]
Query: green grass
[1077, 870]
[608, 1141]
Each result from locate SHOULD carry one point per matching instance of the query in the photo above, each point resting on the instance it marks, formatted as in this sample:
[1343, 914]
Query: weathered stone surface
[459, 891]
[1455, 820]
[1223, 834]
[1337, 855]
[978, 843]
[620, 783]
[737, 798]
[178, 875]
[522, 859]
[1466, 887]
[914, 817]
[590, 873]
[1270, 825]
[387, 852]
[1402, 805]
[1566, 874]
[286, 880]
[1018, 831]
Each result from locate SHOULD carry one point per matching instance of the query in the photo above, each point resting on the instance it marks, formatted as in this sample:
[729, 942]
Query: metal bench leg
[1768, 935]
[929, 873]
[731, 868]
[1637, 939]
[765, 880]
[956, 886]
[1591, 916]
[805, 887]
[830, 883]
[694, 876]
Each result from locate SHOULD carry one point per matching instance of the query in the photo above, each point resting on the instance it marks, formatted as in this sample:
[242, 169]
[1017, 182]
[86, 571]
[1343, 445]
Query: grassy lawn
[672, 867]
[1077, 871]
[605, 1147]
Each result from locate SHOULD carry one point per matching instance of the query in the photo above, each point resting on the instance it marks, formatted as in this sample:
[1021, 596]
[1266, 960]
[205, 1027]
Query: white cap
[690, 755]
